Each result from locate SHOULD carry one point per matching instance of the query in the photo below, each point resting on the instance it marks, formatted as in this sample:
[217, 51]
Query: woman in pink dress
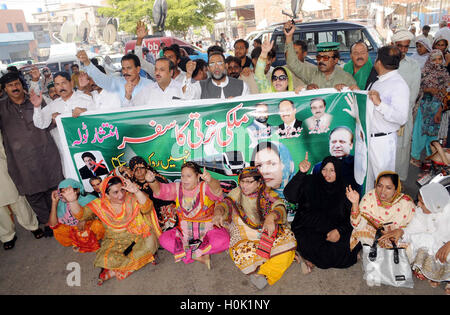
[195, 237]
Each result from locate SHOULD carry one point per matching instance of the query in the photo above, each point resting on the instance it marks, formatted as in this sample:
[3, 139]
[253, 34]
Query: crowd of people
[135, 210]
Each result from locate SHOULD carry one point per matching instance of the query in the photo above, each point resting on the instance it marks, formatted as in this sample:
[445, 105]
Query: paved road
[44, 266]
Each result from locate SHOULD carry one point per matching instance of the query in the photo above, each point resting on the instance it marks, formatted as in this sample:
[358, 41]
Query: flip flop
[10, 245]
[38, 233]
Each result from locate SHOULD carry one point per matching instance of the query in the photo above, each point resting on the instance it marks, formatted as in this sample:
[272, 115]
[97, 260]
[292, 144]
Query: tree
[129, 12]
[181, 14]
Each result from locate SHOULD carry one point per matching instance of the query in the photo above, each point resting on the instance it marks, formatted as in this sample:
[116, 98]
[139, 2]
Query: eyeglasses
[324, 57]
[218, 63]
[282, 77]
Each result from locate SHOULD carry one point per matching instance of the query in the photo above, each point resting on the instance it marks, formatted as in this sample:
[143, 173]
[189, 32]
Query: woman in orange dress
[83, 236]
[131, 227]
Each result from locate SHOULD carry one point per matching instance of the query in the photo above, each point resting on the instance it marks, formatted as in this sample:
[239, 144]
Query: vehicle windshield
[376, 36]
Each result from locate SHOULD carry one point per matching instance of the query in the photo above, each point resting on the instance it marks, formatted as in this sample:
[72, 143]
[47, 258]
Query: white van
[62, 54]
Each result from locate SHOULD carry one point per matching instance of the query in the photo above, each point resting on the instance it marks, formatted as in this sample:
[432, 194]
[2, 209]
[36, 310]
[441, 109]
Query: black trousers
[41, 203]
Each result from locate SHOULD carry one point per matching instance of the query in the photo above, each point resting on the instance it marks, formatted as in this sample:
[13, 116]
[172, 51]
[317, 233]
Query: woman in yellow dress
[261, 244]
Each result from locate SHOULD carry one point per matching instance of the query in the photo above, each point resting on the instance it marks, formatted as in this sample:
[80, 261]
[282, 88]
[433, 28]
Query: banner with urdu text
[271, 131]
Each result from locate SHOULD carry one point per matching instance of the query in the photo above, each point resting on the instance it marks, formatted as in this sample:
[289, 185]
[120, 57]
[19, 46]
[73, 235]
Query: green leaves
[181, 14]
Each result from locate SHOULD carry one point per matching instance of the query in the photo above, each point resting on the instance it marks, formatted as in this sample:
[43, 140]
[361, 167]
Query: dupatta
[130, 217]
[399, 211]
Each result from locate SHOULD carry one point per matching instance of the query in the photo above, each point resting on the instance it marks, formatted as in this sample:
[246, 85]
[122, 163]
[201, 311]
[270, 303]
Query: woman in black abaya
[322, 222]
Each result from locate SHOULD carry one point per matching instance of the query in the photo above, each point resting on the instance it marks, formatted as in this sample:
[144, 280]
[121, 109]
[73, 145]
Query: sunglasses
[282, 77]
[324, 57]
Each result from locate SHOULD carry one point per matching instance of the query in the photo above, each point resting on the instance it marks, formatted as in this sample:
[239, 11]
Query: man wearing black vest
[219, 85]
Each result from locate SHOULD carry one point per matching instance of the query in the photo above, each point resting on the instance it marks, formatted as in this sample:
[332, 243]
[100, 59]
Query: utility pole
[227, 19]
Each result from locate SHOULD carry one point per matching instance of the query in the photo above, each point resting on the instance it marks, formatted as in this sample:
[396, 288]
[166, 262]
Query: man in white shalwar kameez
[410, 71]
[386, 113]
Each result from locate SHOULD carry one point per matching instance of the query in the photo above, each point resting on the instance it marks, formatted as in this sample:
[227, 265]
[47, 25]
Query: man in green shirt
[360, 66]
[327, 74]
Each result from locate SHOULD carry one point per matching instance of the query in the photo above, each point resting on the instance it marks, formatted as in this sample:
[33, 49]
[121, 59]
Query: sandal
[10, 244]
[38, 233]
[48, 232]
[105, 274]
[415, 162]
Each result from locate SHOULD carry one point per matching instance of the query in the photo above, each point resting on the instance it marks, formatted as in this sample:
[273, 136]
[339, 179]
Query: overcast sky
[31, 6]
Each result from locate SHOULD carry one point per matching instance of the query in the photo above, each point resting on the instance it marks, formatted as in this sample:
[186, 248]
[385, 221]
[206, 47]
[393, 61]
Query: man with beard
[259, 128]
[32, 156]
[327, 74]
[360, 66]
[410, 71]
[240, 51]
[69, 102]
[219, 85]
[234, 70]
[130, 87]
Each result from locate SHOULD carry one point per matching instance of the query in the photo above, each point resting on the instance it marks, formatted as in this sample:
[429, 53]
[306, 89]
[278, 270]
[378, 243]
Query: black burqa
[321, 208]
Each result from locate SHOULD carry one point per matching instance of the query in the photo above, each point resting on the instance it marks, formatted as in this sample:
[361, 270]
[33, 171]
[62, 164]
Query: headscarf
[398, 192]
[435, 75]
[334, 191]
[437, 39]
[289, 75]
[402, 34]
[435, 197]
[399, 211]
[63, 210]
[264, 197]
[130, 217]
[421, 59]
[285, 158]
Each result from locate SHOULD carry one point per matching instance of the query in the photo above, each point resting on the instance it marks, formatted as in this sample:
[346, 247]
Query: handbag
[389, 266]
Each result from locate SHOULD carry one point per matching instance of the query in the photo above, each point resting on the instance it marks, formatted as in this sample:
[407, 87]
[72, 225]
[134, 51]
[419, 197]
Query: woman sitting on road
[83, 236]
[261, 243]
[131, 227]
[195, 238]
[321, 224]
[385, 206]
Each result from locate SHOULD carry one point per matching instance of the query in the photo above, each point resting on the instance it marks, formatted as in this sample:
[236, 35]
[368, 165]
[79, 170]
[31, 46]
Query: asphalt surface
[45, 267]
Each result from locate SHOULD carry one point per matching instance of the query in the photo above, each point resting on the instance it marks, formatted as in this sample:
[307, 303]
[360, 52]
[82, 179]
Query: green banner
[222, 135]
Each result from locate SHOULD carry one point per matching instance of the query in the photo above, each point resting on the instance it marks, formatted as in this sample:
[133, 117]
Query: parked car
[153, 44]
[313, 33]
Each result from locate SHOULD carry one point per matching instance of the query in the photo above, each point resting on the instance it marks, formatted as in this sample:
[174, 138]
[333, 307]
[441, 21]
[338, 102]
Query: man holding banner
[219, 85]
[390, 99]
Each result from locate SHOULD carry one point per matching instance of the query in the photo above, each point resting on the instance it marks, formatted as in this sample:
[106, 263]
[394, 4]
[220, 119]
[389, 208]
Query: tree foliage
[181, 14]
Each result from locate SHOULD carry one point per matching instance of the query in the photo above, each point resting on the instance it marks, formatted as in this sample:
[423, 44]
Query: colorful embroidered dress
[250, 248]
[374, 213]
[192, 238]
[136, 224]
[66, 232]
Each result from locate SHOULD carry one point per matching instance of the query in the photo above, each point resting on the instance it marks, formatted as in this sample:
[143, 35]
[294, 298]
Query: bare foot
[205, 259]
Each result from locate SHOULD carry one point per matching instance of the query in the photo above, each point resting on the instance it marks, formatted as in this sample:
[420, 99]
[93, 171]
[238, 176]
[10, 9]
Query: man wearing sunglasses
[327, 74]
[219, 85]
[410, 71]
